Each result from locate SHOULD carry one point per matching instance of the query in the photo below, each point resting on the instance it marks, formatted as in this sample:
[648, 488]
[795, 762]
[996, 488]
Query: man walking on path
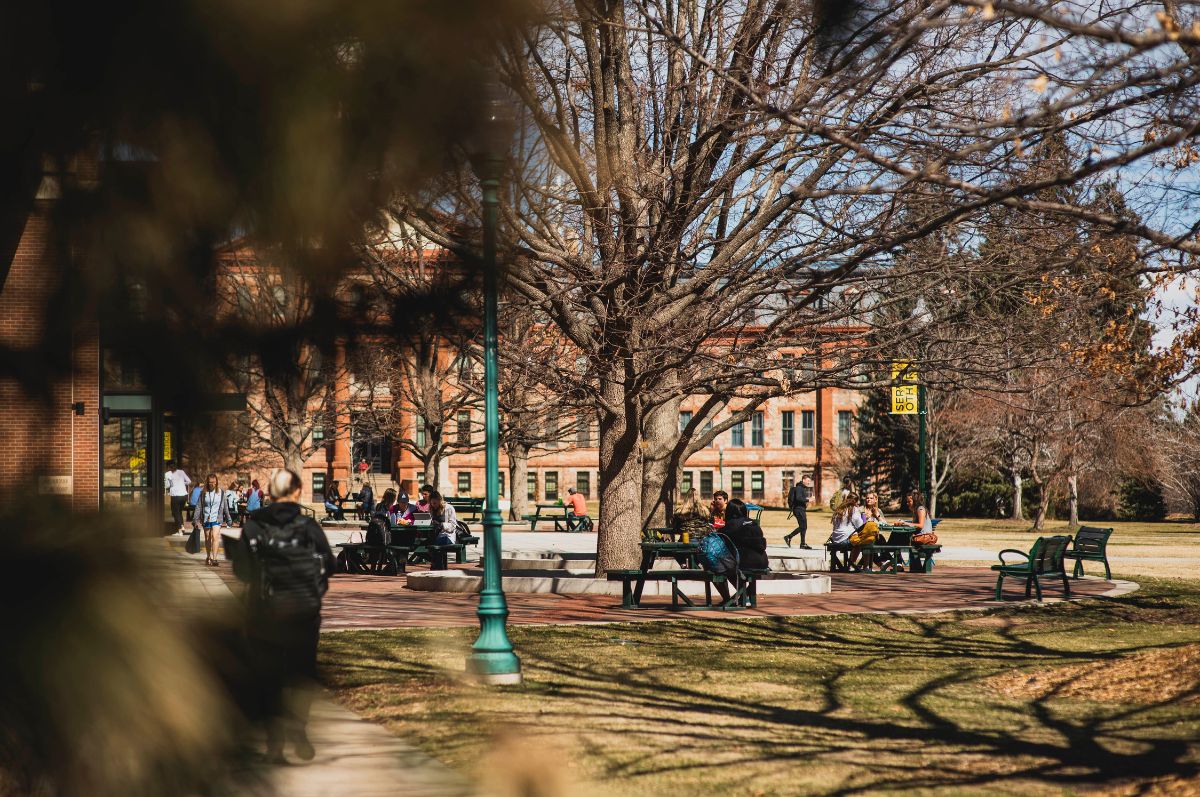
[177, 488]
[797, 499]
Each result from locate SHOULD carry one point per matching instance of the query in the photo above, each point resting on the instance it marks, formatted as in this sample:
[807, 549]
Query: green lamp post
[492, 660]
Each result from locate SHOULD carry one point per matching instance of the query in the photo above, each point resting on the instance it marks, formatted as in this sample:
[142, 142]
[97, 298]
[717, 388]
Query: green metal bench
[1044, 560]
[472, 508]
[1091, 545]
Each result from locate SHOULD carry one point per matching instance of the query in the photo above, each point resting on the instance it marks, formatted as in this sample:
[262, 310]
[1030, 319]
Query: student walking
[798, 498]
[212, 512]
[284, 557]
[177, 488]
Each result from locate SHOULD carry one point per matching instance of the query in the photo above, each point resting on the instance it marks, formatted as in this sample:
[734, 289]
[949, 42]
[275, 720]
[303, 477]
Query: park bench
[1091, 545]
[469, 510]
[417, 539]
[633, 581]
[1044, 560]
[377, 560]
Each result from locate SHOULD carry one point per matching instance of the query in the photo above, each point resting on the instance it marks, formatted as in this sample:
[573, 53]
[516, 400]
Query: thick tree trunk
[620, 526]
[1018, 493]
[1039, 519]
[432, 466]
[1073, 499]
[518, 477]
[660, 433]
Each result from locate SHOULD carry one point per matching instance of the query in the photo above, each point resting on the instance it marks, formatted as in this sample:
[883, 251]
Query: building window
[787, 434]
[737, 484]
[126, 482]
[464, 428]
[758, 485]
[126, 434]
[685, 482]
[706, 483]
[420, 431]
[789, 481]
[318, 434]
[845, 428]
[464, 482]
[685, 418]
[737, 435]
[551, 485]
[552, 432]
[807, 428]
[502, 484]
[583, 483]
[756, 430]
[318, 486]
[583, 432]
[531, 486]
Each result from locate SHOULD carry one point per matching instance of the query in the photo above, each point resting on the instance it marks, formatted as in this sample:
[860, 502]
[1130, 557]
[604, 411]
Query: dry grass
[1162, 674]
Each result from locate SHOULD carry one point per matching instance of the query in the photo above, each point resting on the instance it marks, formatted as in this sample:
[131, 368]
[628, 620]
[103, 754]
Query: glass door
[124, 449]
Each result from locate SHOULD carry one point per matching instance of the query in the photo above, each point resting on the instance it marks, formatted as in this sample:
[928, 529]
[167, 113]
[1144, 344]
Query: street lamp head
[492, 137]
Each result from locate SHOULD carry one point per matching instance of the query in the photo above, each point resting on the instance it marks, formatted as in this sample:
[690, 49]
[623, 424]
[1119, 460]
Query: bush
[1141, 499]
[976, 495]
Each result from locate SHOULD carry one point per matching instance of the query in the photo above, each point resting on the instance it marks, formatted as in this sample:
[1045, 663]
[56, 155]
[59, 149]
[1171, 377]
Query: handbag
[194, 542]
[925, 538]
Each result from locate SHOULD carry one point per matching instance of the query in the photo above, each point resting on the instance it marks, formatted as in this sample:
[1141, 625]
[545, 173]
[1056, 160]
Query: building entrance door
[126, 456]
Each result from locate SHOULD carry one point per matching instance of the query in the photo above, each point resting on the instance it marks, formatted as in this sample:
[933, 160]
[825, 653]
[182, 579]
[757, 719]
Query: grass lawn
[1070, 698]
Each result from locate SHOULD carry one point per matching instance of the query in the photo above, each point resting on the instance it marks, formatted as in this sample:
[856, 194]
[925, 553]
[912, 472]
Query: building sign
[56, 485]
[167, 453]
[904, 400]
[904, 370]
[138, 460]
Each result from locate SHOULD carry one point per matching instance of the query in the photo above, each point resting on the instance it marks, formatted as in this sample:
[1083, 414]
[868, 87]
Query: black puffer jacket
[747, 537]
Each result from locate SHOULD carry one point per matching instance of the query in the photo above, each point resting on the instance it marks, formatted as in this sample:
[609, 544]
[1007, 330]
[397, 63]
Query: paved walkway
[382, 602]
[354, 758]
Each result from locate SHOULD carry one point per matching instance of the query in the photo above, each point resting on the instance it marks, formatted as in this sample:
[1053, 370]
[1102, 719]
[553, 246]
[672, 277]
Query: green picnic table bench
[895, 555]
[421, 548]
[374, 560]
[1044, 560]
[633, 581]
[561, 516]
[1091, 545]
[469, 510]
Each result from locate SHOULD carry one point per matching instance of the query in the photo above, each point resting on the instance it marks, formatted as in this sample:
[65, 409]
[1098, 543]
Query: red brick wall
[44, 437]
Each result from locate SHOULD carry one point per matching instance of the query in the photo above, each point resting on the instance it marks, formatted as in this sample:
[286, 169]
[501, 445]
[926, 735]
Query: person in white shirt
[445, 521]
[177, 487]
[847, 519]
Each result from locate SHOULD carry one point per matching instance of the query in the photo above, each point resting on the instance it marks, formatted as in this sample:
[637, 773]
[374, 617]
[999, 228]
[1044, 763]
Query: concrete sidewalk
[354, 758]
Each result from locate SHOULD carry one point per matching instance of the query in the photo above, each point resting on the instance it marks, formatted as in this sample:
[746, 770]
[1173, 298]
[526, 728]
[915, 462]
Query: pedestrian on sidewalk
[177, 488]
[284, 557]
[212, 512]
[798, 499]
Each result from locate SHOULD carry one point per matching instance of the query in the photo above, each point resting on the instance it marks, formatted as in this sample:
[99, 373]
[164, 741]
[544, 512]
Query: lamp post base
[494, 669]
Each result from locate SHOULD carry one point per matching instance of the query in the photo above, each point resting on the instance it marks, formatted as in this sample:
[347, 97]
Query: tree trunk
[660, 433]
[432, 465]
[1018, 492]
[620, 525]
[1039, 519]
[518, 477]
[1073, 499]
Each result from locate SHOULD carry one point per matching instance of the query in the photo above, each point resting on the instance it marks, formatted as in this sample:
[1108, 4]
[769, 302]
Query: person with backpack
[748, 540]
[212, 512]
[285, 559]
[797, 501]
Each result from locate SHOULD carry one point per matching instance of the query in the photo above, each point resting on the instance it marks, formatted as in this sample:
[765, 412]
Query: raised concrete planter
[581, 582]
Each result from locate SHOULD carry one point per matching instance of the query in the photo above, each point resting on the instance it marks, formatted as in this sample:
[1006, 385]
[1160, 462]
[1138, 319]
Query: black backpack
[379, 531]
[290, 571]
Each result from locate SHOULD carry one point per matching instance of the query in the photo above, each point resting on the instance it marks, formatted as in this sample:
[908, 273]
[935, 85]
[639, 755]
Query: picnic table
[469, 510]
[376, 560]
[633, 581]
[419, 540]
[560, 514]
[897, 554]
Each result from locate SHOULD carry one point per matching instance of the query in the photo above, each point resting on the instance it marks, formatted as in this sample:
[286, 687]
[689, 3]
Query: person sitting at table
[692, 519]
[445, 521]
[915, 503]
[846, 520]
[423, 500]
[401, 512]
[719, 502]
[333, 501]
[366, 501]
[870, 511]
[384, 505]
[747, 536]
[576, 508]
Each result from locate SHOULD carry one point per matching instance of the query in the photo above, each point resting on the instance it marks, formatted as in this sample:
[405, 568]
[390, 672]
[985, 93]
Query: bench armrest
[1022, 554]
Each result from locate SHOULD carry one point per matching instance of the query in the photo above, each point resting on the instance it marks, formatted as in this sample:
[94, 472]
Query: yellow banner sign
[904, 400]
[167, 453]
[903, 369]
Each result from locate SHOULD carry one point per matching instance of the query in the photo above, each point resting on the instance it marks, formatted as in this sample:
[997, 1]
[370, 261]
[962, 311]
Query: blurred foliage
[172, 131]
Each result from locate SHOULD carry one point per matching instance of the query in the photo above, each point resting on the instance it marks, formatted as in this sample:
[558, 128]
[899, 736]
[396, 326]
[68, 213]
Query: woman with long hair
[692, 518]
[915, 503]
[445, 521]
[212, 512]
